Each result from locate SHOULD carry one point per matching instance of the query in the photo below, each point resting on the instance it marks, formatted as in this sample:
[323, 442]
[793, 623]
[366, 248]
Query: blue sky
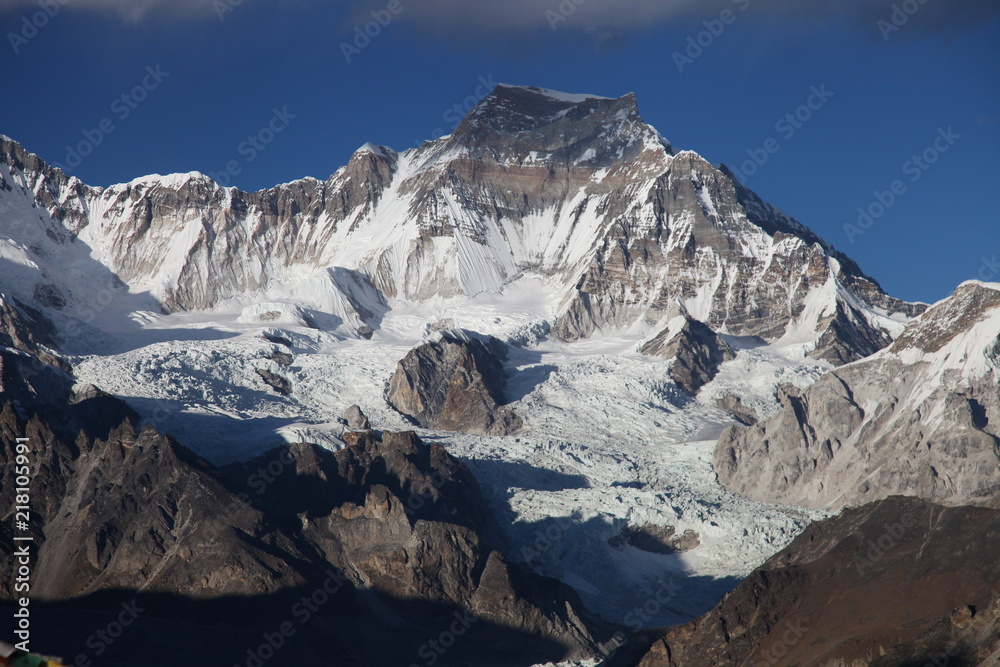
[201, 76]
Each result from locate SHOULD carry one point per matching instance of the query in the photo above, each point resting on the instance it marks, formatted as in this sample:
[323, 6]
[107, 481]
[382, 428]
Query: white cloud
[460, 18]
[603, 19]
[129, 10]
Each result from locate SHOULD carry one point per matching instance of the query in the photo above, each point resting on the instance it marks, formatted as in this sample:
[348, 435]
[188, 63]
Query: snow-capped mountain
[576, 189]
[641, 297]
[918, 418]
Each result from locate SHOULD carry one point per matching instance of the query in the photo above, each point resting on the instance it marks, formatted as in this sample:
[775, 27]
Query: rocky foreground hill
[900, 581]
[381, 553]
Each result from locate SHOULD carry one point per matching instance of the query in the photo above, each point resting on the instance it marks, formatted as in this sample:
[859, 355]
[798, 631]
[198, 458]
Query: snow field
[609, 440]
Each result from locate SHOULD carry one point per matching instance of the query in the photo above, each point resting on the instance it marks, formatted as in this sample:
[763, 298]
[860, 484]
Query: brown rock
[695, 351]
[356, 419]
[885, 426]
[659, 539]
[876, 585]
[455, 384]
[279, 383]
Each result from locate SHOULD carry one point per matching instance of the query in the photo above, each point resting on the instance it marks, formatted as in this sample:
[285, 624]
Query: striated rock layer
[577, 189]
[455, 383]
[920, 418]
[695, 352]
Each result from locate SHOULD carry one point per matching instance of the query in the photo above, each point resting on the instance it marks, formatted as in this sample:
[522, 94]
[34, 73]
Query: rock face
[897, 582]
[577, 189]
[393, 532]
[25, 329]
[660, 539]
[744, 414]
[455, 383]
[920, 418]
[695, 350]
[356, 419]
[40, 383]
[279, 383]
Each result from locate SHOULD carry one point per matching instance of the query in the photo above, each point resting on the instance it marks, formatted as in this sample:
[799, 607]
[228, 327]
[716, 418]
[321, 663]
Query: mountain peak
[529, 125]
[169, 181]
[516, 109]
[572, 98]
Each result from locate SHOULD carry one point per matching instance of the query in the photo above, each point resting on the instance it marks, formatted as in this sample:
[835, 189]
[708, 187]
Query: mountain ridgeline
[576, 189]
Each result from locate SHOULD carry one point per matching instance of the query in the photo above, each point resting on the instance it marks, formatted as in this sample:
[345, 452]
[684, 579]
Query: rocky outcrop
[280, 358]
[279, 383]
[658, 539]
[25, 329]
[39, 382]
[920, 418]
[846, 336]
[740, 266]
[897, 582]
[391, 533]
[695, 351]
[455, 383]
[355, 418]
[742, 413]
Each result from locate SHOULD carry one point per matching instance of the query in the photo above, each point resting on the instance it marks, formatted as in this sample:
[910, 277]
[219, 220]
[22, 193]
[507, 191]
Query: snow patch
[574, 98]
